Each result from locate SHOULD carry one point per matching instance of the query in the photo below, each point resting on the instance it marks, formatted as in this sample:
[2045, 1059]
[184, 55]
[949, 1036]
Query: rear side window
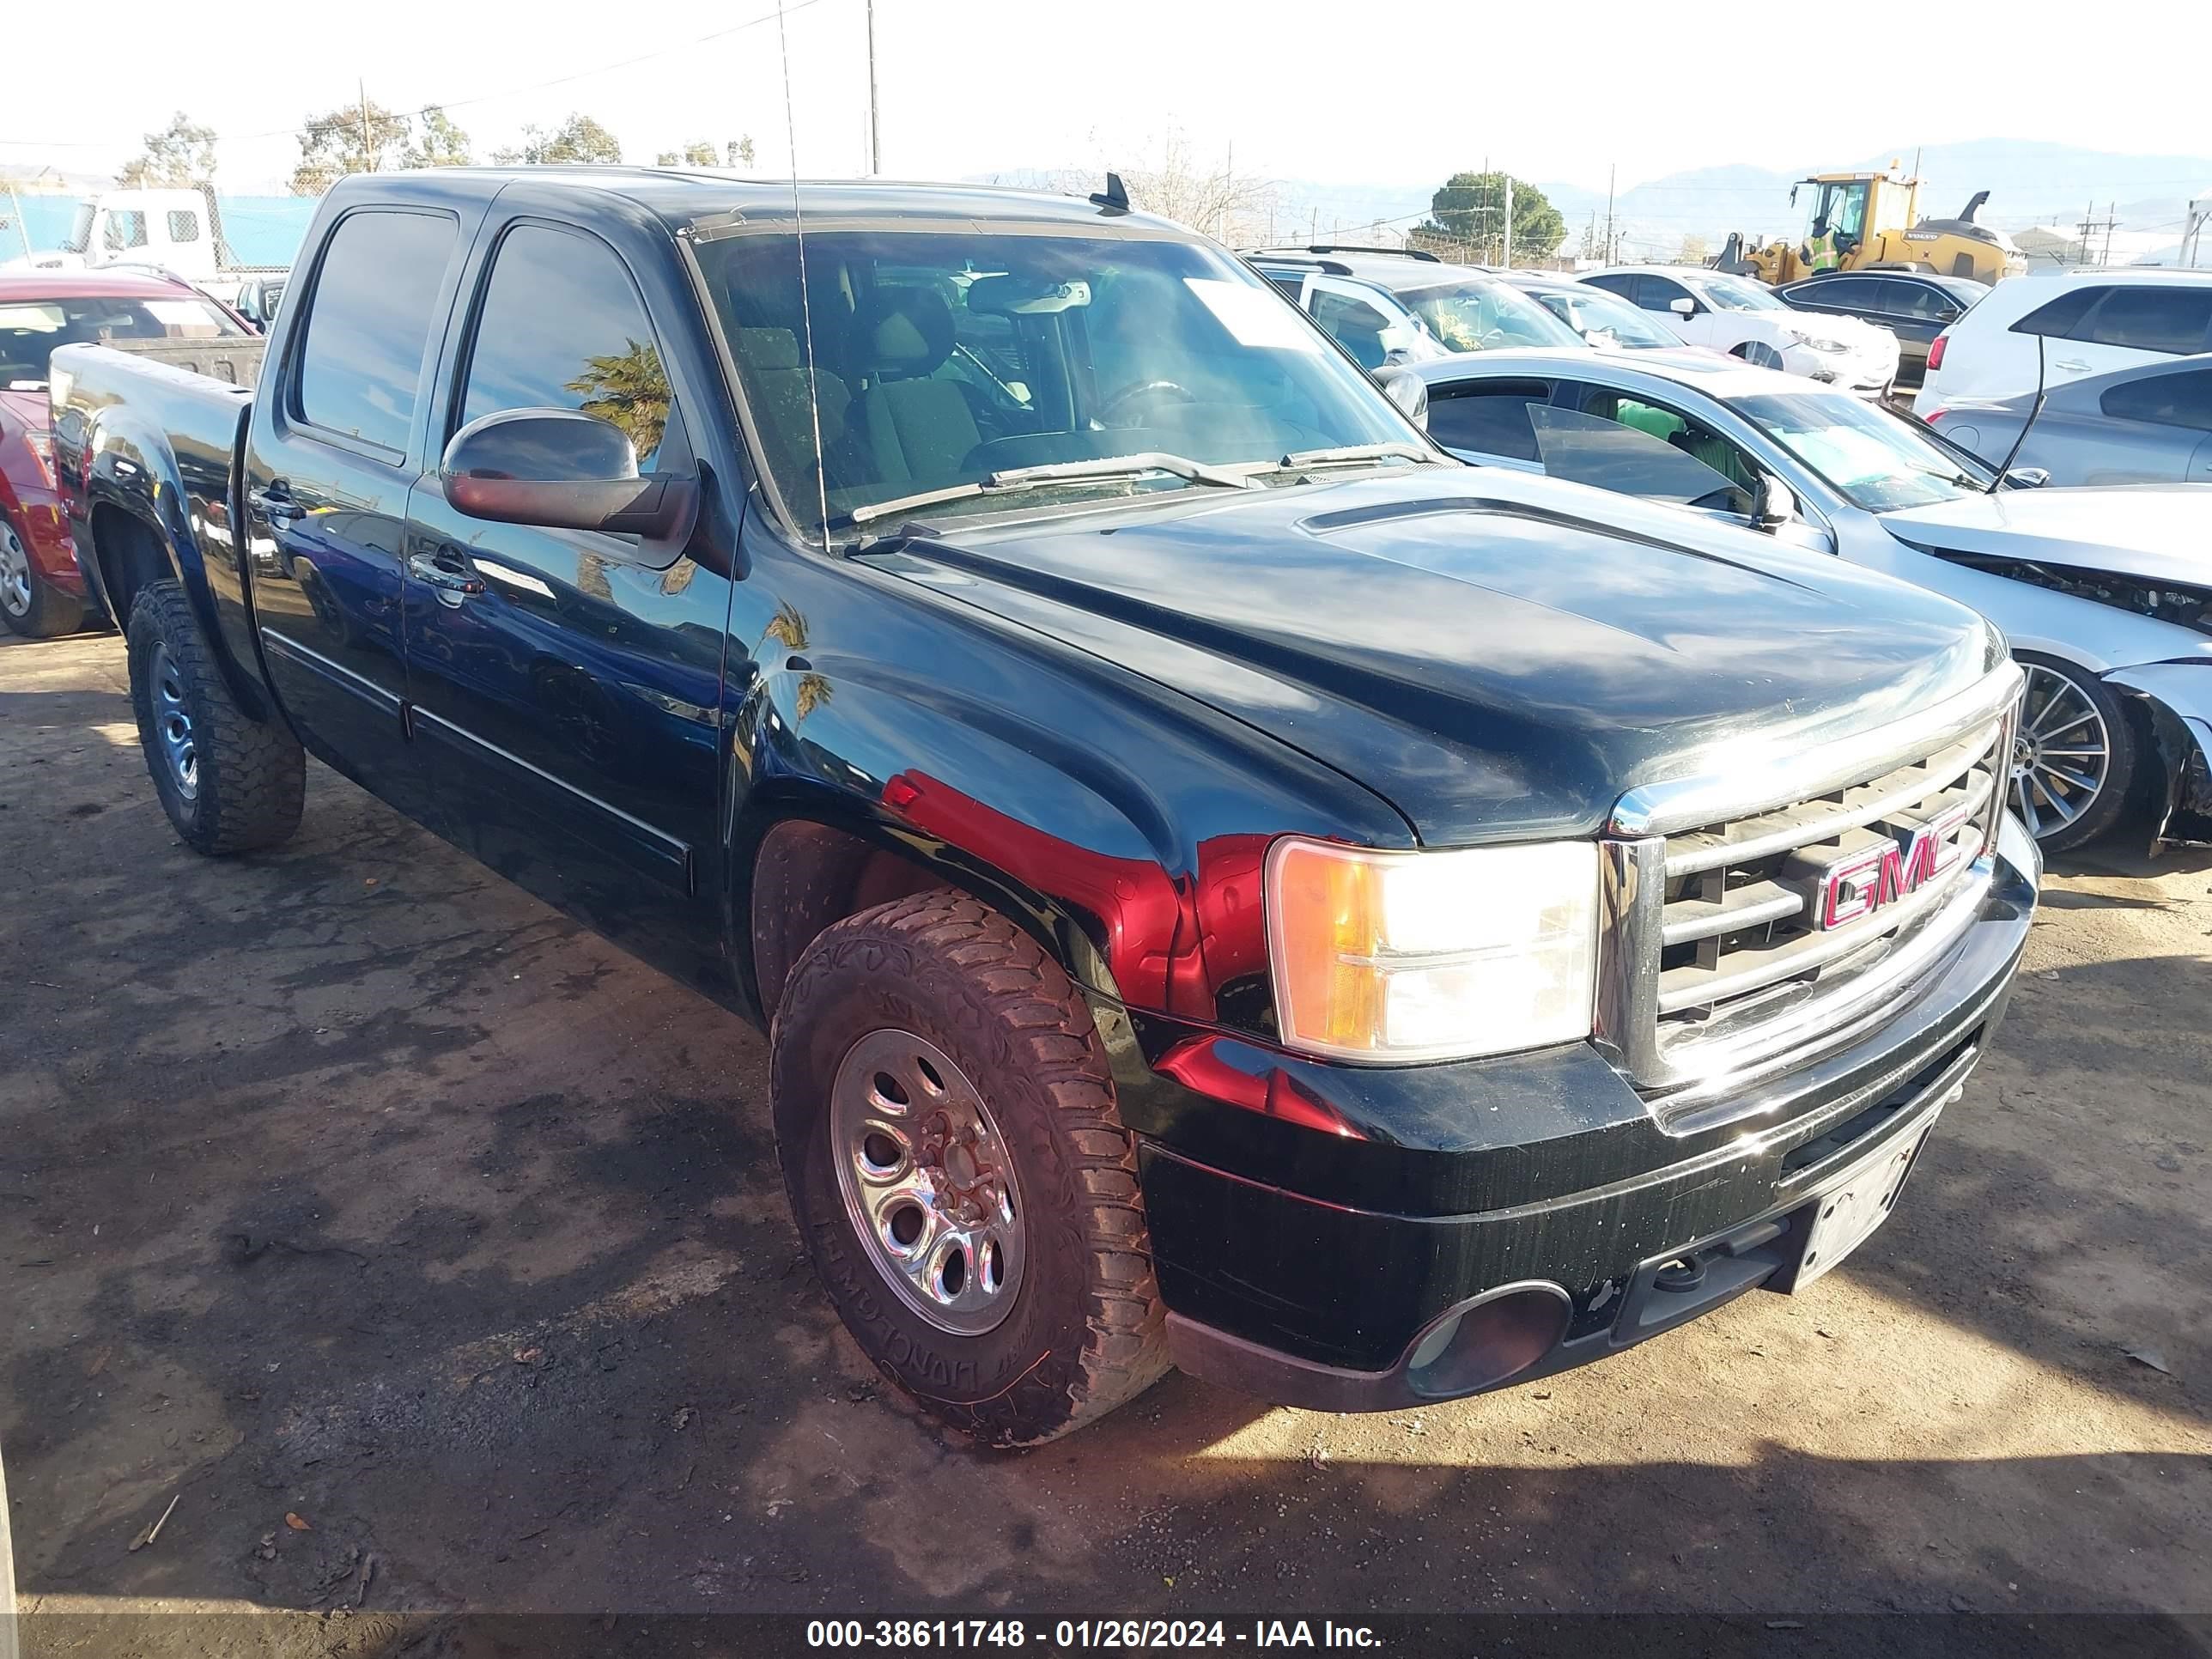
[2057, 318]
[2170, 319]
[1489, 419]
[360, 365]
[1624, 286]
[1293, 283]
[183, 225]
[562, 327]
[2167, 399]
[1846, 293]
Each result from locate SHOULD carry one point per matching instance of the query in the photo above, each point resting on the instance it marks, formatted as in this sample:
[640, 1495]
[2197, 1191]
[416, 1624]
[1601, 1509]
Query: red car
[41, 591]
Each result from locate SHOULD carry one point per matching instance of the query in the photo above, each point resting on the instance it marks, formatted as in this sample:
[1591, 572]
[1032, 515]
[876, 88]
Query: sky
[1334, 93]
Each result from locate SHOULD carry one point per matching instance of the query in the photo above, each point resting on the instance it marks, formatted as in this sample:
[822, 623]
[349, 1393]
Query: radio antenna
[805, 303]
[2012, 454]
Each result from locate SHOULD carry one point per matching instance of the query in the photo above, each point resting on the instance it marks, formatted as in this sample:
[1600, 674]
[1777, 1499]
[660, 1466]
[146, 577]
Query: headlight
[1402, 957]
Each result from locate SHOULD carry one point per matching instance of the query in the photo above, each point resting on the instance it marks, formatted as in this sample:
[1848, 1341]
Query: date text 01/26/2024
[1073, 1634]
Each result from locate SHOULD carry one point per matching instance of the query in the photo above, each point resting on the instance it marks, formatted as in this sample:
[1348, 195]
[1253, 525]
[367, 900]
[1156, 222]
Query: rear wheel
[229, 783]
[29, 604]
[958, 1171]
[2074, 761]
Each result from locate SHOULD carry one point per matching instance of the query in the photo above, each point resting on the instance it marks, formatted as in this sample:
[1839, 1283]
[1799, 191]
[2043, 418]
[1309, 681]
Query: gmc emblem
[1857, 886]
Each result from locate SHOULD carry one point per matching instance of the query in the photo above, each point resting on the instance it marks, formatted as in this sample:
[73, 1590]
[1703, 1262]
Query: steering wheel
[1143, 390]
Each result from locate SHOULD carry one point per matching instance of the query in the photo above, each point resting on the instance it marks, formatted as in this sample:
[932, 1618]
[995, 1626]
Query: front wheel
[2074, 761]
[1759, 355]
[29, 604]
[229, 783]
[959, 1172]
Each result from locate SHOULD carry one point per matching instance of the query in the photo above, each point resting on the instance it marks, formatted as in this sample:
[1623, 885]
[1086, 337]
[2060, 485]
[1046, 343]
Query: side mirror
[1685, 306]
[1773, 505]
[1408, 389]
[561, 468]
[2028, 477]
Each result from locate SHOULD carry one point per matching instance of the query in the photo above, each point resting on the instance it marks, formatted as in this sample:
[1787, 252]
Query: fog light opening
[1478, 1347]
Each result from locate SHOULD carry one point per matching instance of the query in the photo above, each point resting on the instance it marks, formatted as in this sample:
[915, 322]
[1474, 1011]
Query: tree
[700, 154]
[1218, 201]
[363, 137]
[1470, 209]
[181, 154]
[579, 138]
[738, 152]
[630, 389]
[1696, 249]
[441, 145]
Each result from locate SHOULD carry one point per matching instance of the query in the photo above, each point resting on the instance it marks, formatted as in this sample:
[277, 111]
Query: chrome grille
[1765, 929]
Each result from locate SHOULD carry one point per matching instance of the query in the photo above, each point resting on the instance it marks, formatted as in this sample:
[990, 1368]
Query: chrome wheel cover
[15, 572]
[928, 1181]
[2063, 756]
[173, 723]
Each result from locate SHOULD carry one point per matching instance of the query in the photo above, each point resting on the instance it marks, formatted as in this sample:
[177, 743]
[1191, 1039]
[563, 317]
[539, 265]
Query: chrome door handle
[276, 504]
[446, 572]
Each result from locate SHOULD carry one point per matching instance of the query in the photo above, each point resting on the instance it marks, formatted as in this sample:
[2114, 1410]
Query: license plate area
[1850, 1208]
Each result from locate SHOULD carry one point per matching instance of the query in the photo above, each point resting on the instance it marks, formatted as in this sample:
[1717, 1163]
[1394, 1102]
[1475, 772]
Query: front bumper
[1599, 1235]
[1868, 374]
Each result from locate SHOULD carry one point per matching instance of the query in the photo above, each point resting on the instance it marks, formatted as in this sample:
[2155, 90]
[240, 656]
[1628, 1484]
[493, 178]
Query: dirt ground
[429, 1254]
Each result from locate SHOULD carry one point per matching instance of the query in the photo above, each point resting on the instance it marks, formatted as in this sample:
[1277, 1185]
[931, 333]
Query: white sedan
[1743, 317]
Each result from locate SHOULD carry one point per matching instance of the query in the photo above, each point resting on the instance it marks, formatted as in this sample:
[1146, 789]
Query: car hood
[2162, 531]
[1499, 655]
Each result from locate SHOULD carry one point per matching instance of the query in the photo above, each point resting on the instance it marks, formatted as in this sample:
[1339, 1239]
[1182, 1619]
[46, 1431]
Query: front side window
[1734, 294]
[1619, 443]
[368, 320]
[561, 327]
[126, 231]
[1102, 347]
[1360, 328]
[1876, 461]
[1596, 312]
[1488, 418]
[1472, 316]
[2183, 400]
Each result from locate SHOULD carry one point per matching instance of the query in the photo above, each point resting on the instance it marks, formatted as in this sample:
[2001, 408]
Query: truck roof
[680, 196]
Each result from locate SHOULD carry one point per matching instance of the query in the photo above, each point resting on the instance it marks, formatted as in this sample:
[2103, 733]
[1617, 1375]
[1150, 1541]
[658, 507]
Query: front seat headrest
[909, 331]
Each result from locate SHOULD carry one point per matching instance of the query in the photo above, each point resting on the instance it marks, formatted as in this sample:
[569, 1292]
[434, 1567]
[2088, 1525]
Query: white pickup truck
[177, 231]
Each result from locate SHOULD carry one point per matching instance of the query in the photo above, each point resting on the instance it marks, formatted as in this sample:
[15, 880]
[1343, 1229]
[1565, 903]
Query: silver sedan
[2149, 424]
[2106, 594]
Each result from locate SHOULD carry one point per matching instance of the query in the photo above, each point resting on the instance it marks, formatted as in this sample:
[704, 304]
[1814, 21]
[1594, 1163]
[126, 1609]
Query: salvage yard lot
[349, 1185]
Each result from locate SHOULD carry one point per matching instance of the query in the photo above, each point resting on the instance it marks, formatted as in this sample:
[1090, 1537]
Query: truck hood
[1498, 655]
[2160, 531]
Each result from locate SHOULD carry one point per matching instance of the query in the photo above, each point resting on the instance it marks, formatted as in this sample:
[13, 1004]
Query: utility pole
[2088, 223]
[367, 155]
[875, 132]
[1508, 221]
[1610, 247]
[2111, 210]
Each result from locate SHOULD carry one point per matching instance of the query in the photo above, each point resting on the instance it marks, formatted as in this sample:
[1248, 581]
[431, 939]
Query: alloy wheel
[928, 1181]
[15, 572]
[2063, 756]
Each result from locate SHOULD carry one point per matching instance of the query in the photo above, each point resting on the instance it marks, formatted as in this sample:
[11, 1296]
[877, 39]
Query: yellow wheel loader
[1870, 221]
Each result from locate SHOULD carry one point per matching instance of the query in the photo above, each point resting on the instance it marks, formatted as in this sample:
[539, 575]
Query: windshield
[1878, 462]
[1734, 294]
[30, 329]
[1480, 316]
[1593, 311]
[942, 362]
[80, 236]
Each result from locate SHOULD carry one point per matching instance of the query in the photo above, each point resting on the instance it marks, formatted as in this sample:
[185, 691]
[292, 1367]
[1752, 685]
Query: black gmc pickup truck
[1226, 885]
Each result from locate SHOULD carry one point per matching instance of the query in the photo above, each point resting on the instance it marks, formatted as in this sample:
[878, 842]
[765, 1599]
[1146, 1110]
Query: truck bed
[236, 362]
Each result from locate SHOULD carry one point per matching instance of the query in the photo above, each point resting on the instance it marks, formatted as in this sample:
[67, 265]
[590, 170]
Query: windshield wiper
[1398, 449]
[1014, 479]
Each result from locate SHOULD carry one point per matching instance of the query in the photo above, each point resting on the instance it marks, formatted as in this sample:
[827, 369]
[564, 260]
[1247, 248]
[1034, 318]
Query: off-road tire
[1086, 1332]
[251, 775]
